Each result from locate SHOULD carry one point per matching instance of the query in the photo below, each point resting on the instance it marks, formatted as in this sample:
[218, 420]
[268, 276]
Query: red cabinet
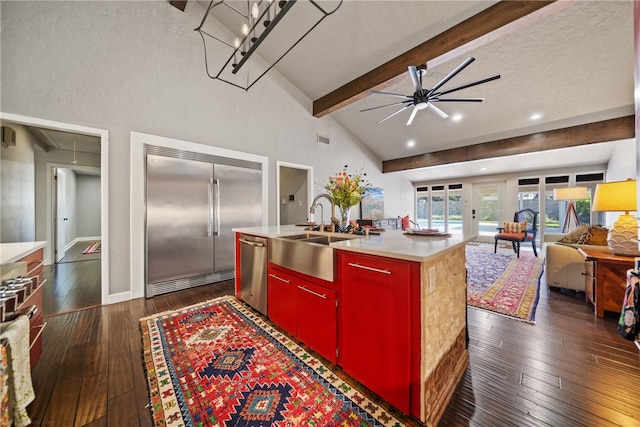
[304, 307]
[375, 323]
[281, 297]
[317, 317]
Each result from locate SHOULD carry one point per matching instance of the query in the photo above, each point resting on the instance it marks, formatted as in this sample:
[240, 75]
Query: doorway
[47, 230]
[294, 184]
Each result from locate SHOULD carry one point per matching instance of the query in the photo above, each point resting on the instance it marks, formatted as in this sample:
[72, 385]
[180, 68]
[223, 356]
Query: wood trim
[484, 23]
[590, 133]
[178, 4]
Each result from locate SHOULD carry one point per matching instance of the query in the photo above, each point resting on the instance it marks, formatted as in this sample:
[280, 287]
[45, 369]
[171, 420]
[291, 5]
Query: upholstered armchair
[524, 228]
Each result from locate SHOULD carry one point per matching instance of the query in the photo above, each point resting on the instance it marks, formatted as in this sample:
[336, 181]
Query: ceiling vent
[323, 139]
[8, 136]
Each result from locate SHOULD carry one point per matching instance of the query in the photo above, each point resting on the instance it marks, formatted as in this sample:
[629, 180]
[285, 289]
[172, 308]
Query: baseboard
[120, 297]
[82, 239]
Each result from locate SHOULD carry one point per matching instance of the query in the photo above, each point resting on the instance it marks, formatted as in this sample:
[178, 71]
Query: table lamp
[619, 196]
[570, 194]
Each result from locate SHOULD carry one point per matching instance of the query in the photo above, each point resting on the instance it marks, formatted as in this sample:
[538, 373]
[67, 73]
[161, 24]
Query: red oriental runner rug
[220, 364]
[502, 283]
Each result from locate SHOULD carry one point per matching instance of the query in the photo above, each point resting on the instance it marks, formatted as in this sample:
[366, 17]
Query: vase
[345, 216]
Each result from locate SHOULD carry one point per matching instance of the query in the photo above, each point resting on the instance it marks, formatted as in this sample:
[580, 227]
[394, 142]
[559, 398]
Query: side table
[605, 279]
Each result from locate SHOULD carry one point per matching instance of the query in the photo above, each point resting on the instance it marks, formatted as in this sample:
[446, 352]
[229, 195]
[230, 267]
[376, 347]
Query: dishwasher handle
[249, 242]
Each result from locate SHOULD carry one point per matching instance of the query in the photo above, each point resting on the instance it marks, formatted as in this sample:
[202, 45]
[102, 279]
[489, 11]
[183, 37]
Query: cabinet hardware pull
[377, 270]
[279, 278]
[323, 296]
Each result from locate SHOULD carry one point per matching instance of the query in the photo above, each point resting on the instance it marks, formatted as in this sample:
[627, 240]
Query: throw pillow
[575, 235]
[405, 222]
[514, 227]
[595, 235]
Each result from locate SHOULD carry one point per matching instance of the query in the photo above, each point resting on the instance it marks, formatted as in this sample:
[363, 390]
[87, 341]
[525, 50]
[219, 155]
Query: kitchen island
[395, 314]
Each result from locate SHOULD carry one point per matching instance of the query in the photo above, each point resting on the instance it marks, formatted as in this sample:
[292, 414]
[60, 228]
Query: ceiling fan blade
[386, 105]
[437, 110]
[413, 72]
[456, 100]
[479, 82]
[393, 114]
[452, 74]
[413, 114]
[392, 94]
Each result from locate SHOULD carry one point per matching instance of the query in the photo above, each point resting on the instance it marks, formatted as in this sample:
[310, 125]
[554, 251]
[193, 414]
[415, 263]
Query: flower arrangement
[347, 190]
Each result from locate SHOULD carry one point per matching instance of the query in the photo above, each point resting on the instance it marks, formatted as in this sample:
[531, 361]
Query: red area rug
[94, 248]
[220, 364]
[502, 283]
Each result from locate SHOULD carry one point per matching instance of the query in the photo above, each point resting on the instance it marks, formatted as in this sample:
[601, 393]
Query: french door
[488, 205]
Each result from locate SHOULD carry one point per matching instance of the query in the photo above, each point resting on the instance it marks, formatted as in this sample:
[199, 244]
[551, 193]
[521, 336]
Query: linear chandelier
[242, 39]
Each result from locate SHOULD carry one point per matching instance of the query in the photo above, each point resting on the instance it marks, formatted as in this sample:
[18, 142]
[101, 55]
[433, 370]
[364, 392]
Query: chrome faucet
[312, 210]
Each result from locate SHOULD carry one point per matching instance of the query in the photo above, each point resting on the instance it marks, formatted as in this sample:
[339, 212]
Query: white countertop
[12, 252]
[390, 243]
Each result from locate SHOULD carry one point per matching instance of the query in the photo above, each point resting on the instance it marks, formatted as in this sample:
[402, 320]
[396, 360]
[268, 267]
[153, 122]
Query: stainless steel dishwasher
[253, 271]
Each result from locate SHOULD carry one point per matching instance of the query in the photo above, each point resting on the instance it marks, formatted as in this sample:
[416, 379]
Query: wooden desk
[605, 279]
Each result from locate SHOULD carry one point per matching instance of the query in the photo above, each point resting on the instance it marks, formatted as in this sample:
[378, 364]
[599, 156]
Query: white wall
[622, 166]
[88, 205]
[138, 66]
[17, 200]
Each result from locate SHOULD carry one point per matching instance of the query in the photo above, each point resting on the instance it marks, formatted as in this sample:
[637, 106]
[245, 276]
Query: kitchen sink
[307, 253]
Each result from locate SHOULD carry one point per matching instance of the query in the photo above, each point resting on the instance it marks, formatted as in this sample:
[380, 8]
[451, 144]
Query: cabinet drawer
[34, 262]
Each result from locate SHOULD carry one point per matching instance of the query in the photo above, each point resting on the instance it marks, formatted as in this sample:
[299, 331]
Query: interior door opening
[294, 193]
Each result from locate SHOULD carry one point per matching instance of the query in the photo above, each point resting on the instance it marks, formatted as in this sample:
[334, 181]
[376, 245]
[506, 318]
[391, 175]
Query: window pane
[454, 225]
[437, 209]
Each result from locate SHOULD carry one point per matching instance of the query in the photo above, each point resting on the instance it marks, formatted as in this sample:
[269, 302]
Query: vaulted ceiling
[571, 62]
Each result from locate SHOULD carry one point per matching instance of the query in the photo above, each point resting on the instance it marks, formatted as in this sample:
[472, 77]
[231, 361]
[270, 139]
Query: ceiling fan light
[421, 105]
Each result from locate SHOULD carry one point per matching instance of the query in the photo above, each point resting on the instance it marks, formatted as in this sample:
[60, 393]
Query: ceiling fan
[424, 98]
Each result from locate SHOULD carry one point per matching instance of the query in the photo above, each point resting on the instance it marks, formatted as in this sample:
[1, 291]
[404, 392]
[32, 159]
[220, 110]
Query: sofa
[563, 264]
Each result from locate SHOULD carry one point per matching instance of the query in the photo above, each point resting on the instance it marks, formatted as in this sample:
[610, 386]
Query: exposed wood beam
[178, 4]
[590, 133]
[479, 29]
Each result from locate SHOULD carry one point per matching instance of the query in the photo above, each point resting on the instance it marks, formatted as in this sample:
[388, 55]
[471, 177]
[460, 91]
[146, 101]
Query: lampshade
[570, 193]
[619, 196]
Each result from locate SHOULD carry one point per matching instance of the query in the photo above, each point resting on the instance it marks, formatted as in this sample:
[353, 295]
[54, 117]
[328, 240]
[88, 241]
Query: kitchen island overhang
[434, 291]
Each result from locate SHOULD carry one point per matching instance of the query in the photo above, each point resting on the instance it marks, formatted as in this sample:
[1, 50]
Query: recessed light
[535, 116]
[411, 143]
[483, 169]
[456, 117]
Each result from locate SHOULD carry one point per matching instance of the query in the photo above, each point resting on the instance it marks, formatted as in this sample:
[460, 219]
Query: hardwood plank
[485, 25]
[92, 404]
[123, 411]
[63, 405]
[590, 133]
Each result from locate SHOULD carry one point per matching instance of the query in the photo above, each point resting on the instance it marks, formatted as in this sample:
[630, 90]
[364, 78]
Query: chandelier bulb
[236, 43]
[245, 29]
[255, 11]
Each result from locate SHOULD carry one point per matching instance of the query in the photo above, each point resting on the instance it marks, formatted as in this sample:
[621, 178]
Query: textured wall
[17, 200]
[138, 66]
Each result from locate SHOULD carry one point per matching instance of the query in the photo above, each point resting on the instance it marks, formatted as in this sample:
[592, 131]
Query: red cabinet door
[281, 297]
[317, 313]
[375, 324]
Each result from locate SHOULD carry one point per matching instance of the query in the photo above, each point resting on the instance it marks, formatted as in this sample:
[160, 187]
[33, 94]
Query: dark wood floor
[72, 286]
[569, 369]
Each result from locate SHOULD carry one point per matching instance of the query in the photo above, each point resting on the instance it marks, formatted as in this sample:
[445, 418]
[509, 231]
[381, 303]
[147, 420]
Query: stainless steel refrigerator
[192, 202]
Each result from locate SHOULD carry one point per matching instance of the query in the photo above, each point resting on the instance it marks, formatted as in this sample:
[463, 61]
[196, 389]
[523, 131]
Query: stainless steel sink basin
[307, 253]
